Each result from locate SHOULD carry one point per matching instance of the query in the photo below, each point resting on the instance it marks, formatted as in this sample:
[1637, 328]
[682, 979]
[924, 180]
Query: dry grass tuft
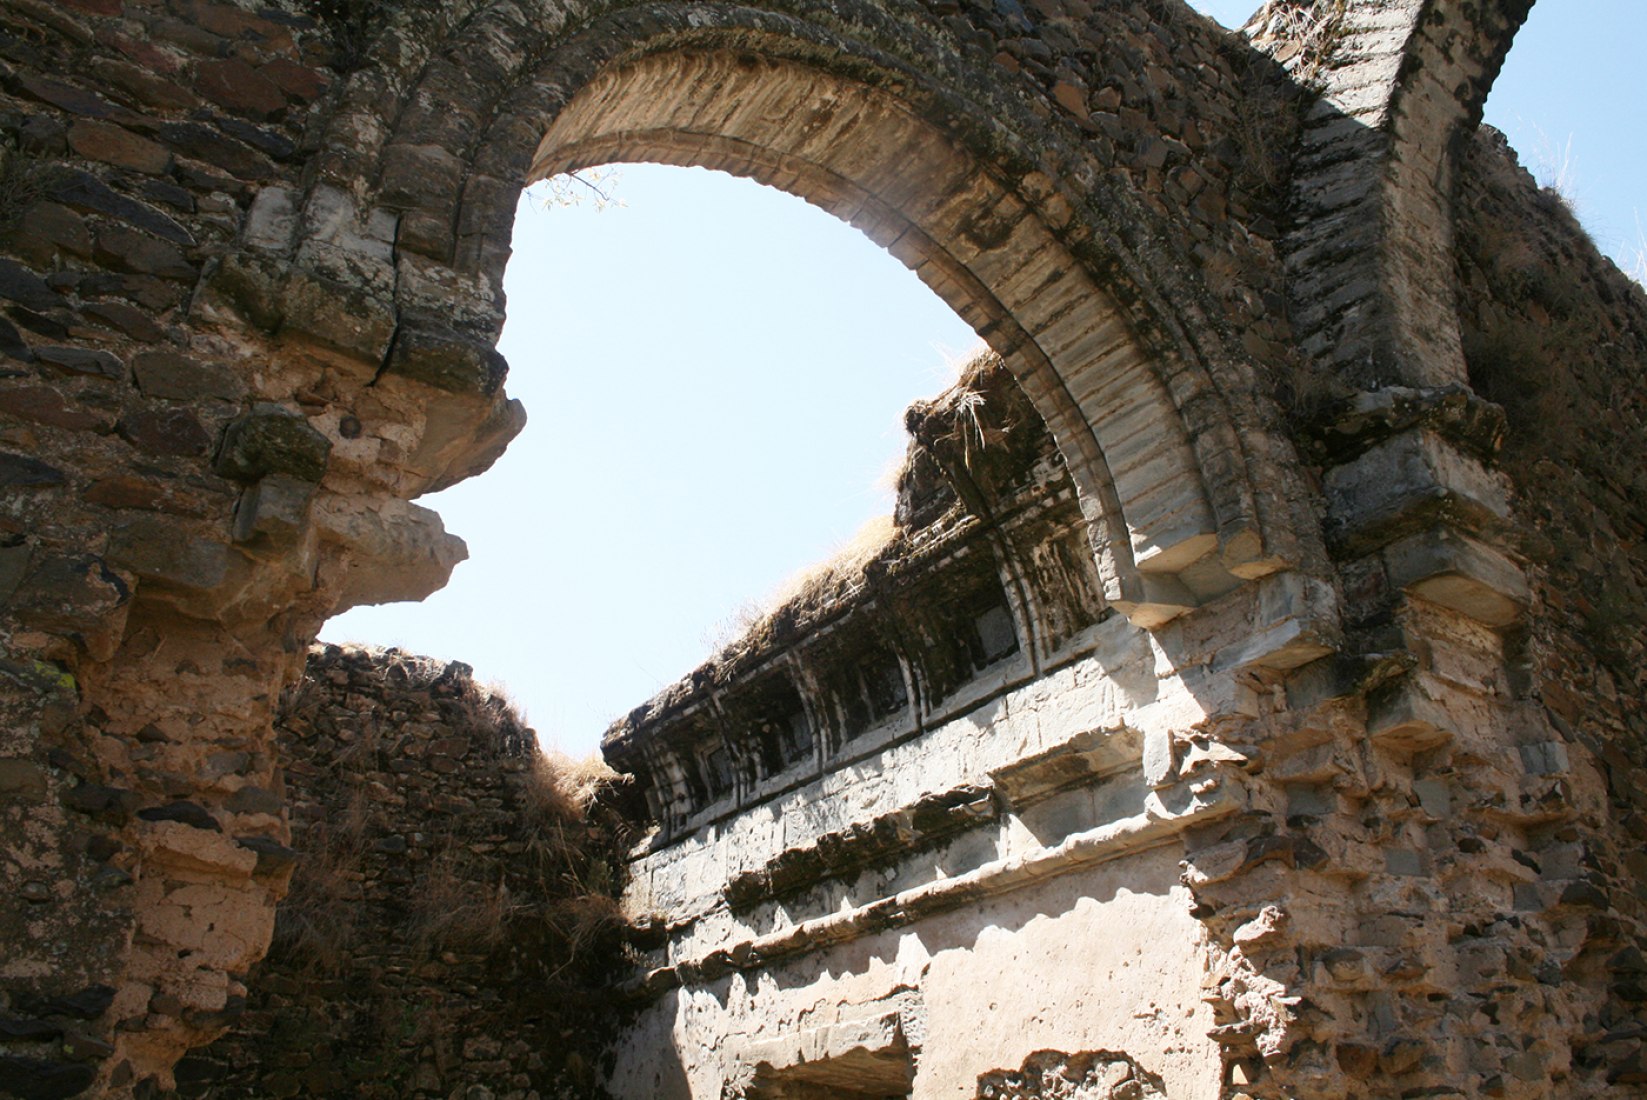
[319, 924]
[559, 787]
[845, 565]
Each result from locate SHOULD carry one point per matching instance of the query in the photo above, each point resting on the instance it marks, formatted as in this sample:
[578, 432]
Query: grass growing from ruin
[24, 181]
[974, 428]
[545, 874]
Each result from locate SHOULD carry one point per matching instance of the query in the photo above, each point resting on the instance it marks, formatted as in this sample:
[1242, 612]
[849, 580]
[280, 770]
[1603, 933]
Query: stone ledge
[1448, 568]
[1208, 800]
[1407, 482]
[1363, 420]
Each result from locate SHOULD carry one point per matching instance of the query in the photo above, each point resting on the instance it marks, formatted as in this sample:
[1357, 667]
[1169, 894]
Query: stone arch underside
[343, 305]
[1166, 465]
[978, 246]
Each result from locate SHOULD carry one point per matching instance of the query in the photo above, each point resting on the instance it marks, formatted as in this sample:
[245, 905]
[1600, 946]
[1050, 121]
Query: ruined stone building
[1249, 701]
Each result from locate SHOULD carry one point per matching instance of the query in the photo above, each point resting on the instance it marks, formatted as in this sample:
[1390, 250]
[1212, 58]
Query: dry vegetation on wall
[1556, 334]
[452, 922]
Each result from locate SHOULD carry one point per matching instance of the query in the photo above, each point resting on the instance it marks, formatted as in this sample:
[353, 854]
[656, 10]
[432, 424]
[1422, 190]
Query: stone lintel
[1406, 483]
[1446, 567]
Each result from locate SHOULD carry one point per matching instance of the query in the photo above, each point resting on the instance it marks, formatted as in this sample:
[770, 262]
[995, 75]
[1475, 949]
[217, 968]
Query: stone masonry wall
[451, 922]
[1384, 613]
[1558, 335]
[145, 640]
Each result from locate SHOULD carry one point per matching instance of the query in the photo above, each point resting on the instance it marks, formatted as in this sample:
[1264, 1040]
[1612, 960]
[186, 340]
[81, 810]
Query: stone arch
[964, 235]
[1154, 415]
[1401, 85]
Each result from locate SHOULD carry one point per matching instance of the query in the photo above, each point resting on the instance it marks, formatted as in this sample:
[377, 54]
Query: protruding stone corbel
[1420, 496]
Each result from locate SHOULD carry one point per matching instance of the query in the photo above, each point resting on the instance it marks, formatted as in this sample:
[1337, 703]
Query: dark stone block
[194, 139]
[85, 1004]
[76, 101]
[44, 405]
[85, 1048]
[15, 1030]
[70, 594]
[169, 193]
[22, 472]
[145, 291]
[447, 360]
[116, 145]
[165, 432]
[251, 286]
[264, 141]
[112, 805]
[89, 361]
[189, 813]
[125, 250]
[127, 319]
[13, 344]
[168, 374]
[37, 1079]
[39, 323]
[298, 81]
[26, 288]
[253, 800]
[158, 549]
[272, 856]
[235, 85]
[272, 440]
[85, 192]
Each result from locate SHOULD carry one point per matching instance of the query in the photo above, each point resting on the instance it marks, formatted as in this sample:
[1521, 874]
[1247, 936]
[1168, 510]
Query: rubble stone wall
[451, 920]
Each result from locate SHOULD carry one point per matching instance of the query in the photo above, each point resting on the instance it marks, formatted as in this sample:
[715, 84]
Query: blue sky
[716, 373]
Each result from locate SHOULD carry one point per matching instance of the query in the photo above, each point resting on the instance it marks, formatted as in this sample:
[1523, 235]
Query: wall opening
[715, 374]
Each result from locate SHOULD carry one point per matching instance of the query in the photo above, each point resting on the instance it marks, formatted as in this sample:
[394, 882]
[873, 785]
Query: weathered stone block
[75, 595]
[1407, 482]
[168, 374]
[157, 548]
[1405, 719]
[272, 439]
[344, 316]
[447, 360]
[250, 285]
[272, 219]
[384, 550]
[1448, 568]
[273, 513]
